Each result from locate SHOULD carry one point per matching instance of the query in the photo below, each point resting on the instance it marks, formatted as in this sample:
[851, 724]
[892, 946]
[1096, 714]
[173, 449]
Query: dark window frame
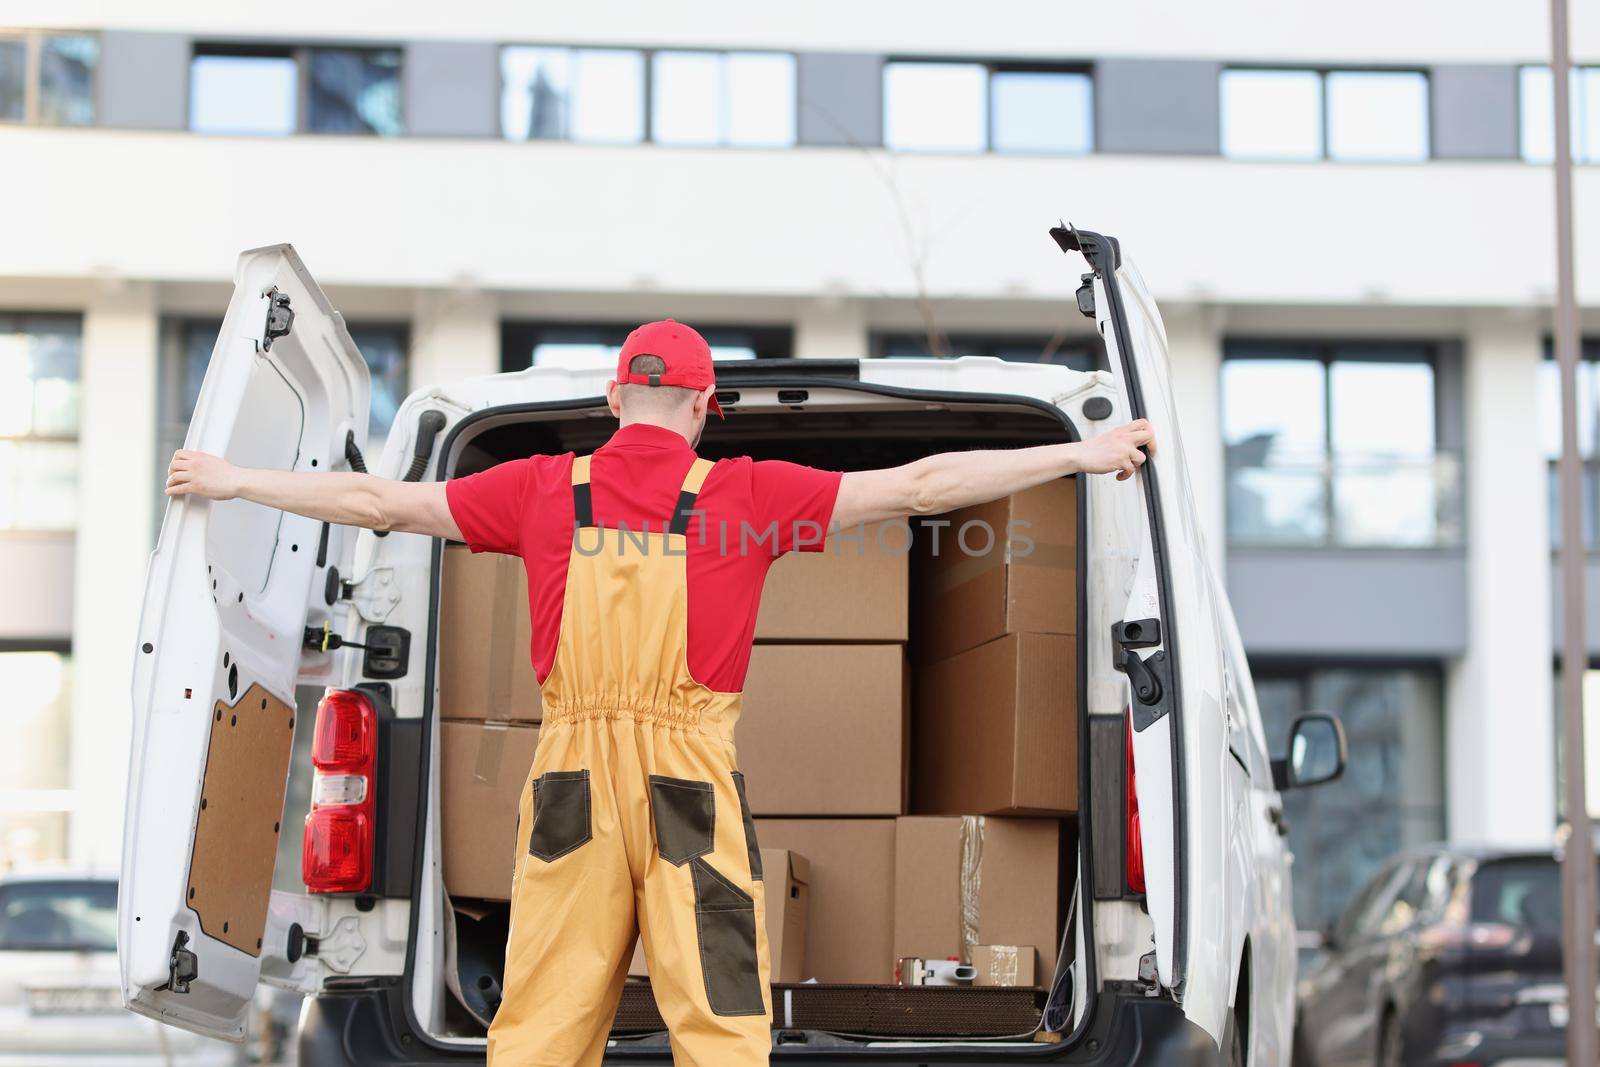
[300, 55]
[1324, 112]
[1588, 352]
[989, 343]
[771, 341]
[993, 66]
[33, 65]
[1326, 351]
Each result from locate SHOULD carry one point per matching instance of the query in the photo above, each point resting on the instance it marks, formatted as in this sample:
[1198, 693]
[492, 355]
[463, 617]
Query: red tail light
[1133, 844]
[336, 854]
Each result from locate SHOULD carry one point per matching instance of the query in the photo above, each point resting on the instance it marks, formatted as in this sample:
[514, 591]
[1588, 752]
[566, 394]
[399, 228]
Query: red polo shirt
[524, 508]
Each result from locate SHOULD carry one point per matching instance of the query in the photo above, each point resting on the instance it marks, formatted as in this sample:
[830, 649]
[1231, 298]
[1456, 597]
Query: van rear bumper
[369, 1028]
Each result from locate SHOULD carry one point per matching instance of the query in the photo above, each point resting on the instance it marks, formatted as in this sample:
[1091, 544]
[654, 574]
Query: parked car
[1182, 949]
[1446, 956]
[60, 1000]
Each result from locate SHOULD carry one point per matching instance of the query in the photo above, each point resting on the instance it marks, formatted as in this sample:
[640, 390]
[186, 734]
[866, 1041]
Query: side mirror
[1316, 753]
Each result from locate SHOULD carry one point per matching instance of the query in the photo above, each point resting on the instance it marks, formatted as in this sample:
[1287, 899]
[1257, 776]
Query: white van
[1179, 939]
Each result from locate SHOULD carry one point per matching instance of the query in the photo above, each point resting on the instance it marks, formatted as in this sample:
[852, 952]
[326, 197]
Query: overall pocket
[685, 817]
[749, 828]
[561, 821]
[725, 924]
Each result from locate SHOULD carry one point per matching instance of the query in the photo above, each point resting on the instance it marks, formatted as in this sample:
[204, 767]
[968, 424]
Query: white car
[1180, 937]
[60, 1000]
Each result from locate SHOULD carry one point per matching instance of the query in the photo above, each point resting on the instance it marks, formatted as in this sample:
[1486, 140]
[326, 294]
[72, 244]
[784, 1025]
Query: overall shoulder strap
[688, 494]
[582, 501]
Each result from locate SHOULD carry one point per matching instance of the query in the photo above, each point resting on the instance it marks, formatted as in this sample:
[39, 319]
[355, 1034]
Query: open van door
[231, 589]
[1175, 702]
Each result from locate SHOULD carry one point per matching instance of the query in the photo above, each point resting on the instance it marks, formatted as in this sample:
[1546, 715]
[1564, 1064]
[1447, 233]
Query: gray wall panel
[143, 80]
[1369, 604]
[1157, 106]
[840, 99]
[452, 89]
[1474, 112]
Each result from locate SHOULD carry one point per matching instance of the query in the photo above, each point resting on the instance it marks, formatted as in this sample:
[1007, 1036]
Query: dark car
[1447, 956]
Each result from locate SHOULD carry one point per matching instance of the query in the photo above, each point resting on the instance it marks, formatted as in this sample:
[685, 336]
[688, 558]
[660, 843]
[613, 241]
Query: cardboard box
[857, 589]
[980, 584]
[482, 770]
[1004, 965]
[823, 730]
[1004, 873]
[788, 879]
[485, 664]
[850, 918]
[995, 730]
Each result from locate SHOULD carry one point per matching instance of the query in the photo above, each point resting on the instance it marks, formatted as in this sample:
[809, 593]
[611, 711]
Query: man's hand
[202, 474]
[1118, 450]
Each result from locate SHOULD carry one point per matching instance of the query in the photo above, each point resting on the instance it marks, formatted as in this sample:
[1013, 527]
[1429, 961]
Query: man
[634, 820]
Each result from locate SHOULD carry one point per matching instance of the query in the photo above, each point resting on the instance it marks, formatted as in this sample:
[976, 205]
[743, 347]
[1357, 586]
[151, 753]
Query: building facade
[1349, 230]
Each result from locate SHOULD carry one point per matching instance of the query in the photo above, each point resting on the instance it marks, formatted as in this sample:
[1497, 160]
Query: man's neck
[680, 427]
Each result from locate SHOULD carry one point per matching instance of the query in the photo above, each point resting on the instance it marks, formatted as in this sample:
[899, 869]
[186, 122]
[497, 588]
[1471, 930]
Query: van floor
[857, 438]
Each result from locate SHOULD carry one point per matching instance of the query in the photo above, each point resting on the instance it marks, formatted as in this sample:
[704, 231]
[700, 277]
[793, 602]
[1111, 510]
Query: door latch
[1149, 677]
[183, 966]
[280, 318]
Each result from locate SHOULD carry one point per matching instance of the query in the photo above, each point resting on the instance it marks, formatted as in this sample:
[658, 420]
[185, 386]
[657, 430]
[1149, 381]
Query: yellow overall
[633, 821]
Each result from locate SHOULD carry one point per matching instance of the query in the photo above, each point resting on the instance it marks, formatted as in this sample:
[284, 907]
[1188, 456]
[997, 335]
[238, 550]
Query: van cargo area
[910, 734]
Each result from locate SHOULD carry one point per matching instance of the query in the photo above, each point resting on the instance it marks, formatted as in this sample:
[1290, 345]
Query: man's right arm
[348, 499]
[936, 484]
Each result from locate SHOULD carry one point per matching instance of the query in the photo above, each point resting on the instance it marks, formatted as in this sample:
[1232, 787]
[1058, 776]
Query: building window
[1356, 115]
[280, 90]
[1588, 403]
[1390, 797]
[186, 347]
[1539, 115]
[723, 98]
[976, 107]
[572, 94]
[1073, 351]
[583, 345]
[39, 367]
[48, 78]
[35, 763]
[1336, 445]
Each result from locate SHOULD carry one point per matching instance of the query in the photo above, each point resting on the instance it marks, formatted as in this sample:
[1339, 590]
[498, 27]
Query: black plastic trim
[1104, 254]
[373, 1027]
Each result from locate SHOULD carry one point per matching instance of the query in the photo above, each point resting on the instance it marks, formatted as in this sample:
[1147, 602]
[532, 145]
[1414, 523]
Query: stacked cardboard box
[824, 726]
[489, 704]
[962, 884]
[995, 710]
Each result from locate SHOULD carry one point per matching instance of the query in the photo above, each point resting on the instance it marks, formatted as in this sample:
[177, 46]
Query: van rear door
[1175, 701]
[231, 589]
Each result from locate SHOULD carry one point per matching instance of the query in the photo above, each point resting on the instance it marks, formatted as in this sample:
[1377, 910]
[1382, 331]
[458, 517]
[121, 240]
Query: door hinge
[280, 318]
[375, 595]
[1149, 677]
[1085, 296]
[339, 948]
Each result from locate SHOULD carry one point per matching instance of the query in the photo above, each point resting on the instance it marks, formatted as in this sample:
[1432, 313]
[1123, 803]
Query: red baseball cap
[680, 347]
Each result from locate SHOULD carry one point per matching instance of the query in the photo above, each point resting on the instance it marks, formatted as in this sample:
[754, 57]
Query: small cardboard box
[788, 880]
[1004, 965]
[850, 915]
[485, 664]
[823, 730]
[1006, 567]
[995, 730]
[1004, 872]
[857, 589]
[482, 770]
